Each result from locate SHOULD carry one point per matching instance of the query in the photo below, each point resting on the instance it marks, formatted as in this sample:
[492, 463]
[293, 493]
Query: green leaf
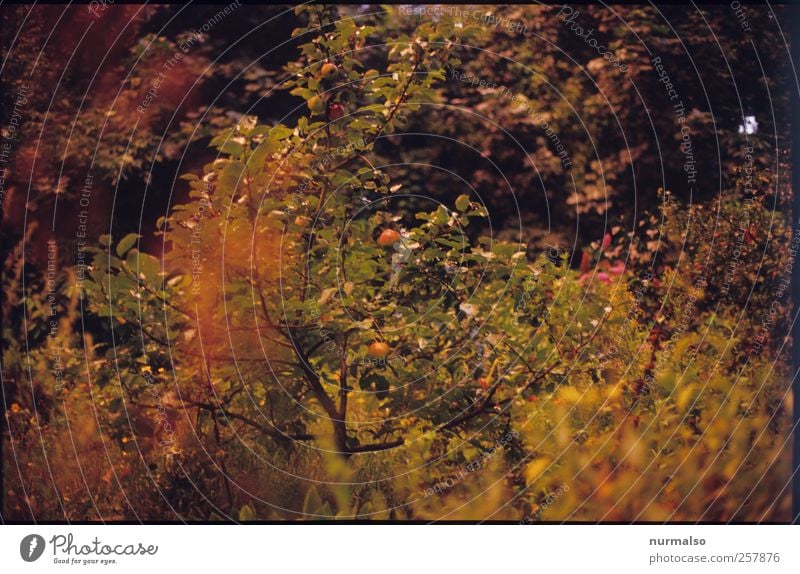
[462, 202]
[280, 132]
[260, 154]
[327, 294]
[126, 243]
[231, 148]
[441, 216]
[149, 266]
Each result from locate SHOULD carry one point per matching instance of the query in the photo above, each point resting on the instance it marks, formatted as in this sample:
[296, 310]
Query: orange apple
[388, 237]
[328, 69]
[378, 350]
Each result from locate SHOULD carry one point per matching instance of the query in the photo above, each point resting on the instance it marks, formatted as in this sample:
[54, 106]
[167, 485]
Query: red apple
[335, 111]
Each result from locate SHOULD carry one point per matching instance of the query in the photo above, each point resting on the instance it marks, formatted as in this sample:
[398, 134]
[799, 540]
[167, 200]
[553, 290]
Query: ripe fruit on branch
[335, 111]
[328, 69]
[378, 350]
[484, 383]
[316, 105]
[302, 221]
[388, 237]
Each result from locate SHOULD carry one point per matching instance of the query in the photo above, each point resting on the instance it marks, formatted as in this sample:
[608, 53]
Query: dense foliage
[319, 331]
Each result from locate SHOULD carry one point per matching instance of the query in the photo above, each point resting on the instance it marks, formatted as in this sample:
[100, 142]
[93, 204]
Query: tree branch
[376, 447]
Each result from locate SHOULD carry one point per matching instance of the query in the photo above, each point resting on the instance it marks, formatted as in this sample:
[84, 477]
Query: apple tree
[302, 296]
